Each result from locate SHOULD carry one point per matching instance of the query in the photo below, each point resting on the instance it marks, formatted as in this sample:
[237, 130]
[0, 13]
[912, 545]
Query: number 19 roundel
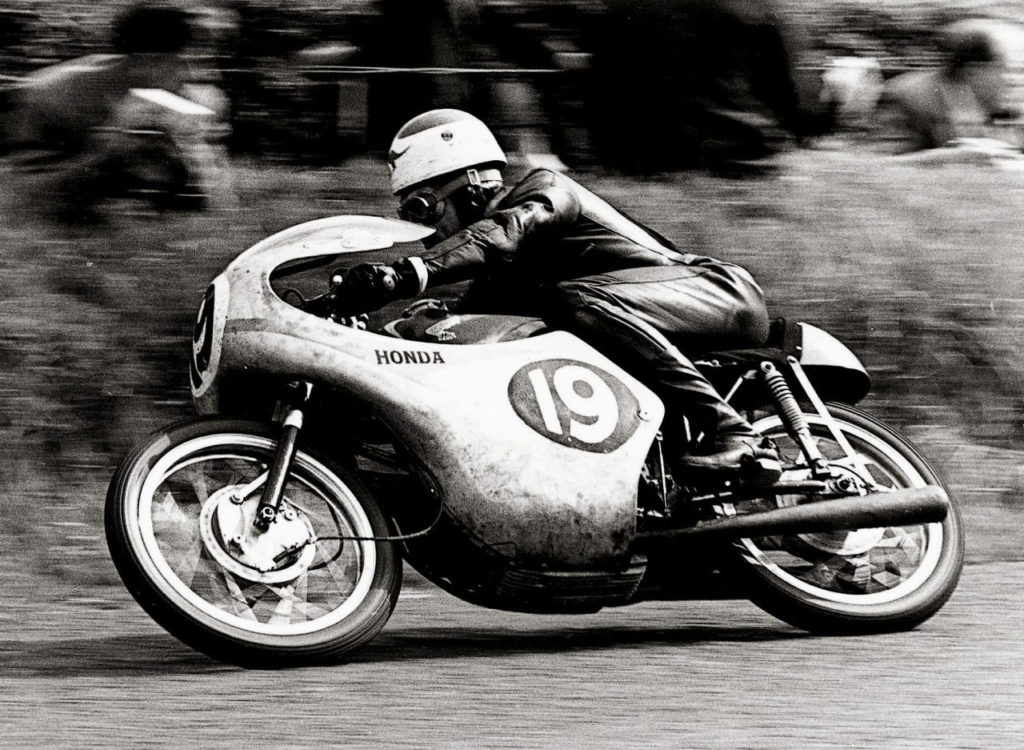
[575, 404]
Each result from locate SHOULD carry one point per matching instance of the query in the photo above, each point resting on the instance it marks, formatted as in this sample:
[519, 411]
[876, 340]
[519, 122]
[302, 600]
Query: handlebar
[326, 306]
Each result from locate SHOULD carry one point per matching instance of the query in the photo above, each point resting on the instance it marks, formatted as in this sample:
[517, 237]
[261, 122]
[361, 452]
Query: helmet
[437, 143]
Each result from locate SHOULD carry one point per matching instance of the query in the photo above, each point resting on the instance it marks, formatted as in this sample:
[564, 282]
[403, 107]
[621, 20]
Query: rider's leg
[614, 312]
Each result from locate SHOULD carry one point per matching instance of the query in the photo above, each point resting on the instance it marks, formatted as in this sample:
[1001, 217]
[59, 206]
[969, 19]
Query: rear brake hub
[841, 542]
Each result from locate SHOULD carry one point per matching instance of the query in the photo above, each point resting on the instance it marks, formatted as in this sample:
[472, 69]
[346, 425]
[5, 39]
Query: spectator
[964, 107]
[122, 123]
[711, 84]
[851, 88]
[426, 34]
[462, 35]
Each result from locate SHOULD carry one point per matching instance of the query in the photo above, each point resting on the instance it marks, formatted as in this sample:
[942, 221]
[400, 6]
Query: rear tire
[864, 581]
[157, 504]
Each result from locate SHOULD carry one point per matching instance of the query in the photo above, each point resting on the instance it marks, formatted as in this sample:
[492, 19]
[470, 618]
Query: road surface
[96, 672]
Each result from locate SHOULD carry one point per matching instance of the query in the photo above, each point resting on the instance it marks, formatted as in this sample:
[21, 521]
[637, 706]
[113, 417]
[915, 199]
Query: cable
[347, 538]
[395, 538]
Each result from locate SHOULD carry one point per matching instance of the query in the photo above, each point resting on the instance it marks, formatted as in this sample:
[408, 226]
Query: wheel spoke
[236, 599]
[199, 486]
[341, 569]
[310, 611]
[282, 613]
[293, 602]
[191, 562]
[175, 526]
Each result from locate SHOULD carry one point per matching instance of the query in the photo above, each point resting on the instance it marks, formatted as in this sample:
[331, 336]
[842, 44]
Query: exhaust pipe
[897, 508]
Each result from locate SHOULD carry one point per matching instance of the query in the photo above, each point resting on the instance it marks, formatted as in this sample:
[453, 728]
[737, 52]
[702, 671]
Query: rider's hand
[366, 287]
[370, 286]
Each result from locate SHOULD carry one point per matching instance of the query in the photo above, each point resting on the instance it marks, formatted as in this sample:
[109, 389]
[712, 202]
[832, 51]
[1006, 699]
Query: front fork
[292, 409]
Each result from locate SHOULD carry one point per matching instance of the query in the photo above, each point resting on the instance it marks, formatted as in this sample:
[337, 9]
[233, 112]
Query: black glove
[370, 286]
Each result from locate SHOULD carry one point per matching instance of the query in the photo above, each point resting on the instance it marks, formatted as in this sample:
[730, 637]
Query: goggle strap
[469, 177]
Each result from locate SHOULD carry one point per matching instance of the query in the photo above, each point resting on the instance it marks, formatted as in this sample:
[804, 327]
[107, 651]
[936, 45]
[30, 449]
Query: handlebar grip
[388, 278]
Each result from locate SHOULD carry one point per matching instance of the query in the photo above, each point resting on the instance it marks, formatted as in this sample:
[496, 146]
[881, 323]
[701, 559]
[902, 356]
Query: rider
[549, 247]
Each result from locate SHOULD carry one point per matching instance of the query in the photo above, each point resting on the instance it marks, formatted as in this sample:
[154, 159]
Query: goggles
[427, 205]
[422, 207]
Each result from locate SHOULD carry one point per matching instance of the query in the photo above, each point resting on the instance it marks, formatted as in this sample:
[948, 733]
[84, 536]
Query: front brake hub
[280, 553]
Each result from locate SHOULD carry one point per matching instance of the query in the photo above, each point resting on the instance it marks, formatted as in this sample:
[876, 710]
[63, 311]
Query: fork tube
[270, 501]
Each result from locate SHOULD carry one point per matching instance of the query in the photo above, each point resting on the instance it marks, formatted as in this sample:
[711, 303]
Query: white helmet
[439, 142]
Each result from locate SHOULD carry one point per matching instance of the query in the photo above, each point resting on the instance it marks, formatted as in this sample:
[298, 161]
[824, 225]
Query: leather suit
[551, 248]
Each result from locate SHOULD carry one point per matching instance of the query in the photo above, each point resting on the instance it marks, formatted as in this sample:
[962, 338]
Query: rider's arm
[535, 205]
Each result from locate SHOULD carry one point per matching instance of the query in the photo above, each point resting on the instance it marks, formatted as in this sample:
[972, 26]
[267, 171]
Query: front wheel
[176, 523]
[863, 580]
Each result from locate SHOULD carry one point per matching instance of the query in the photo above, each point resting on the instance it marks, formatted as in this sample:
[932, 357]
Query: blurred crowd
[153, 98]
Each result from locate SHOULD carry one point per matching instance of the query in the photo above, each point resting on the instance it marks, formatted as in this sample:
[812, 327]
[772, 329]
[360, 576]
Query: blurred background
[741, 129]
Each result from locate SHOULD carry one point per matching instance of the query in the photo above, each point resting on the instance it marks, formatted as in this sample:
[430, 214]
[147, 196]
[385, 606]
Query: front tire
[174, 561]
[860, 581]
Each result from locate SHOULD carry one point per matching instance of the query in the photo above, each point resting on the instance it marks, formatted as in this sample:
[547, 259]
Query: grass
[918, 269]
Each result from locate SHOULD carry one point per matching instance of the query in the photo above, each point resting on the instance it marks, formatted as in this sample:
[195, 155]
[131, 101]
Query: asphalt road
[96, 672]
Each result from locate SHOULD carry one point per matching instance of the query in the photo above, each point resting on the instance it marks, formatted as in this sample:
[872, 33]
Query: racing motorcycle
[511, 465]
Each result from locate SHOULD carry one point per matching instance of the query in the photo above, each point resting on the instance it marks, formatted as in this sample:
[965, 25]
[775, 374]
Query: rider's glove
[370, 286]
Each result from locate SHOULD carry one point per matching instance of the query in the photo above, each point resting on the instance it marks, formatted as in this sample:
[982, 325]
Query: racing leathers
[551, 248]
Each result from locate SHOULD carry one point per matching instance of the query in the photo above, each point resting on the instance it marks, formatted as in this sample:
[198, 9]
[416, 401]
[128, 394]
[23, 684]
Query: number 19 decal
[575, 404]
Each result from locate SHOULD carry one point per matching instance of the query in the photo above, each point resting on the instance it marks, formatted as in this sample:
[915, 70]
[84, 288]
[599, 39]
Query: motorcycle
[511, 465]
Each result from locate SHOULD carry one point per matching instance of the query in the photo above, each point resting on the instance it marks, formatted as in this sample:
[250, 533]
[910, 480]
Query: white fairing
[536, 444]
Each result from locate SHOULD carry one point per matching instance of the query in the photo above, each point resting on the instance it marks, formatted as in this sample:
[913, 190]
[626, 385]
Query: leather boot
[734, 450]
[748, 459]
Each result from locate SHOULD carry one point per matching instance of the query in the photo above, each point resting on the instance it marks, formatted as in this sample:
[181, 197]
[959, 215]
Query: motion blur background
[918, 268]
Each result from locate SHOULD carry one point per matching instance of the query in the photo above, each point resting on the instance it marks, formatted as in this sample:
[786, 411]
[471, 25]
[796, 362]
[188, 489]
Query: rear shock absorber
[793, 418]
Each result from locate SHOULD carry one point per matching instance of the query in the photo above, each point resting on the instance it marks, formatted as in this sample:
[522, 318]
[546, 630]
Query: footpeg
[748, 462]
[760, 472]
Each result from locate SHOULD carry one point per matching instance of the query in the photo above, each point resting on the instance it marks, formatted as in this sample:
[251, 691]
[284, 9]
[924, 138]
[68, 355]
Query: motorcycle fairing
[550, 481]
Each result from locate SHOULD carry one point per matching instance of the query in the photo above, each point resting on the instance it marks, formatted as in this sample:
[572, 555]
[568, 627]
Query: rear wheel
[180, 535]
[862, 580]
